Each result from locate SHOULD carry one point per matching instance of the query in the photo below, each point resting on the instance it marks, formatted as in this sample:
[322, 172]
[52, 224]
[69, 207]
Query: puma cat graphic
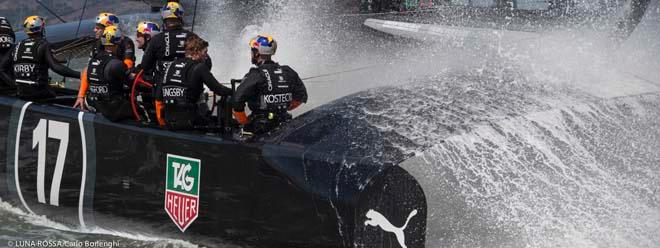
[375, 218]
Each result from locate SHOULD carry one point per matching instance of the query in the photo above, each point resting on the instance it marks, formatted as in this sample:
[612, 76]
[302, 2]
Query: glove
[241, 117]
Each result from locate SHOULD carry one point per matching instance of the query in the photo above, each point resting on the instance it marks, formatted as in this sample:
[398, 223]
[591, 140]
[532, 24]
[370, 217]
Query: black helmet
[4, 23]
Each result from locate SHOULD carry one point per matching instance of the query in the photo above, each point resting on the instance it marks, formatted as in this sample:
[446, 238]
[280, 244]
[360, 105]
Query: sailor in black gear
[7, 38]
[31, 60]
[144, 98]
[126, 49]
[169, 45]
[270, 90]
[183, 85]
[106, 75]
[145, 32]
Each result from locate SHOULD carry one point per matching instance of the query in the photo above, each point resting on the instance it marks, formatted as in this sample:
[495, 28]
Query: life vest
[175, 47]
[275, 94]
[100, 88]
[7, 36]
[28, 71]
[176, 88]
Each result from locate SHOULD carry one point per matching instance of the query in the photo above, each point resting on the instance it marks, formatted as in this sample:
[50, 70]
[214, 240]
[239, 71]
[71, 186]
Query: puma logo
[375, 218]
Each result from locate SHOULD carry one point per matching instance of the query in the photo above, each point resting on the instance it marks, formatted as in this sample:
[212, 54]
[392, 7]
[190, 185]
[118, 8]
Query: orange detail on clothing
[241, 117]
[294, 105]
[159, 113]
[129, 63]
[84, 85]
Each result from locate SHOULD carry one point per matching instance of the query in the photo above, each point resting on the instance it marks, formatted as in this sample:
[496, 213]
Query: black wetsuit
[7, 38]
[148, 76]
[164, 48]
[181, 90]
[107, 79]
[31, 60]
[145, 96]
[269, 90]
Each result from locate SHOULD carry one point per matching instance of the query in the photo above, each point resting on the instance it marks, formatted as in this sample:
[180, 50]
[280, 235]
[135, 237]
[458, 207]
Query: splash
[582, 175]
[31, 221]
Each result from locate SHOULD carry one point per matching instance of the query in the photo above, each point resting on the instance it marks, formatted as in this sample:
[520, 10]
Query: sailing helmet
[34, 24]
[111, 36]
[264, 44]
[4, 23]
[148, 28]
[172, 10]
[107, 19]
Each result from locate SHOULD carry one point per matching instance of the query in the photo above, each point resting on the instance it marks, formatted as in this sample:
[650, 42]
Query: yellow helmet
[111, 36]
[107, 19]
[264, 44]
[172, 10]
[34, 24]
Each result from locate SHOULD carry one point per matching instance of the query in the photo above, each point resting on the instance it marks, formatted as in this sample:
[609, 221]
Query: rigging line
[333, 73]
[194, 17]
[81, 17]
[82, 13]
[342, 72]
[50, 11]
[74, 44]
[145, 2]
[641, 78]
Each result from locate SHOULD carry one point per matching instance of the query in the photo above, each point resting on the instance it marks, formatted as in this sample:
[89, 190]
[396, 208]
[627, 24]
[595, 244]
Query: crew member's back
[31, 59]
[7, 38]
[270, 90]
[183, 85]
[168, 45]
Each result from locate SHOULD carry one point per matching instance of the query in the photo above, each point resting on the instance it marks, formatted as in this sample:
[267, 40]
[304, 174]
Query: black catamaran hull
[80, 169]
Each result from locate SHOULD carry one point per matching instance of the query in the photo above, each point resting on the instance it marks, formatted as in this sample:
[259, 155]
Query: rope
[77, 30]
[194, 17]
[49, 10]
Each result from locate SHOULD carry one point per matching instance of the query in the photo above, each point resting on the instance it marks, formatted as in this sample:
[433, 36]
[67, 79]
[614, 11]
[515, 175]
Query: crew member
[7, 38]
[125, 50]
[168, 45]
[108, 80]
[144, 99]
[269, 89]
[31, 59]
[145, 32]
[183, 85]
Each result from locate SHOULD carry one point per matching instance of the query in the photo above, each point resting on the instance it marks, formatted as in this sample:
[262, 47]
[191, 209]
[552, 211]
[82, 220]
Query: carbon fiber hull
[82, 170]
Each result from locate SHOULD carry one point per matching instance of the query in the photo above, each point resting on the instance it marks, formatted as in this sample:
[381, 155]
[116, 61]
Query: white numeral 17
[54, 130]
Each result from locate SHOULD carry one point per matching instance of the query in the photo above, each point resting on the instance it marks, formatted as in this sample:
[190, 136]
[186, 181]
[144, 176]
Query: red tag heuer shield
[182, 190]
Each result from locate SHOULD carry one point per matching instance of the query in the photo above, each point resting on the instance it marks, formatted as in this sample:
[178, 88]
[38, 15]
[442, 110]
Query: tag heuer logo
[182, 190]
